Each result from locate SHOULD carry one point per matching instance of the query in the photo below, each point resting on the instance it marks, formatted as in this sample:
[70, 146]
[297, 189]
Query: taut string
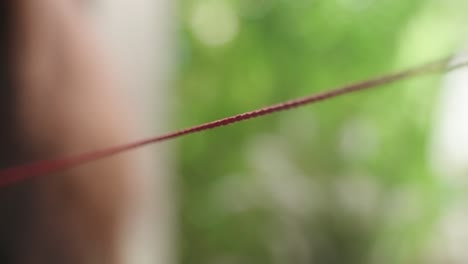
[23, 172]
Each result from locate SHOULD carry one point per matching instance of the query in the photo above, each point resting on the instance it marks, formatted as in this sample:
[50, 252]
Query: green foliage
[345, 181]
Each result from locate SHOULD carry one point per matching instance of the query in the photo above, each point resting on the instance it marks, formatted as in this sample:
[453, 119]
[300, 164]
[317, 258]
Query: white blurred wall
[139, 34]
[449, 157]
[449, 151]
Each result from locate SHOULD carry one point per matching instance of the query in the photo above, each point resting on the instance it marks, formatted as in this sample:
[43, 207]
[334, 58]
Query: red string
[39, 168]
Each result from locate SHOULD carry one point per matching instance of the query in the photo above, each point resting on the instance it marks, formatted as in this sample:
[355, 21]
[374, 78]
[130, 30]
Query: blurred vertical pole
[139, 31]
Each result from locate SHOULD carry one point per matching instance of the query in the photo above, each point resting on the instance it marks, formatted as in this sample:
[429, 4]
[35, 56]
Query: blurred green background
[344, 181]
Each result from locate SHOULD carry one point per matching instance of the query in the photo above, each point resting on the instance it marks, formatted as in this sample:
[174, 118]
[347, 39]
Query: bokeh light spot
[214, 22]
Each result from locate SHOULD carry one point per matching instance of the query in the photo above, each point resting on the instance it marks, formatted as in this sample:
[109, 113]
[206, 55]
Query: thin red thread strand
[23, 172]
